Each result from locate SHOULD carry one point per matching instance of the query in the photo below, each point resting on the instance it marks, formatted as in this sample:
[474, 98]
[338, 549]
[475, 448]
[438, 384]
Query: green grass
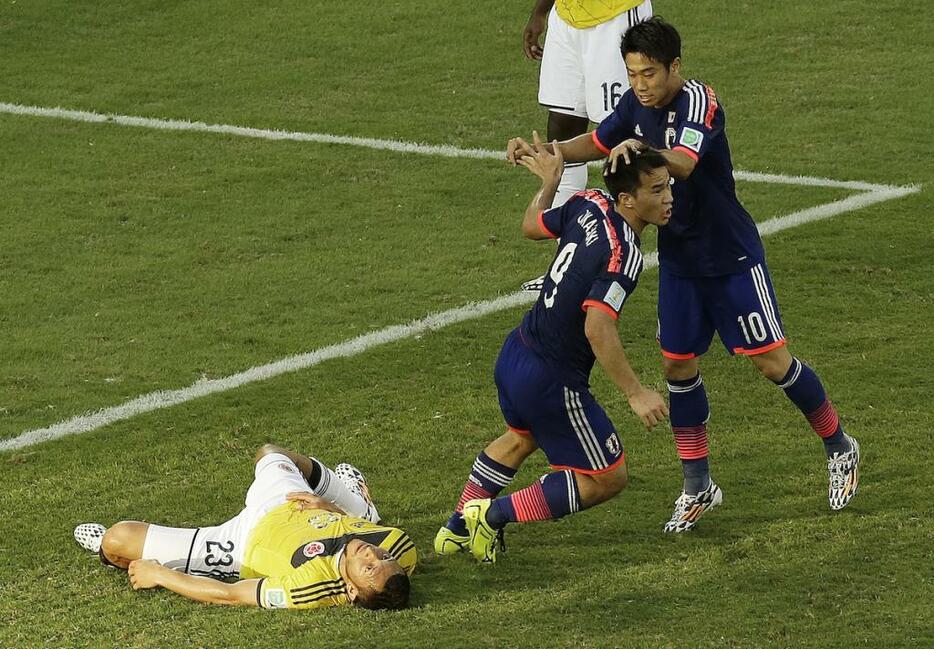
[135, 260]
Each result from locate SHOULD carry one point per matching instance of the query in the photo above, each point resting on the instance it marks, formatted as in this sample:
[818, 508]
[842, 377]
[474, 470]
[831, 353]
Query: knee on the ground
[121, 541]
[264, 450]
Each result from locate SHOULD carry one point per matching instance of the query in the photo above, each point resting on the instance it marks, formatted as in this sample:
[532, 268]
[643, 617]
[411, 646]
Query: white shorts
[583, 72]
[218, 551]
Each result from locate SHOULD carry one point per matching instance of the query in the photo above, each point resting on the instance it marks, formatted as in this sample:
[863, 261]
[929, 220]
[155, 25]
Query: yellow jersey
[588, 13]
[296, 555]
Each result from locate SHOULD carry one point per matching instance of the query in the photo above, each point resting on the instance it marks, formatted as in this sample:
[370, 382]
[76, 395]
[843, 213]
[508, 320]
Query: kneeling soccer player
[306, 538]
[544, 367]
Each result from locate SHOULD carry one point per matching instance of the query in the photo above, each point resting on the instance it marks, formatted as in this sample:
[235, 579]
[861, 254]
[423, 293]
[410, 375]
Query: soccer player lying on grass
[307, 538]
[544, 367]
[712, 270]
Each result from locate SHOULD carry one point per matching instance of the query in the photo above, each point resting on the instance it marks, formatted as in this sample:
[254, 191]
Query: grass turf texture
[135, 260]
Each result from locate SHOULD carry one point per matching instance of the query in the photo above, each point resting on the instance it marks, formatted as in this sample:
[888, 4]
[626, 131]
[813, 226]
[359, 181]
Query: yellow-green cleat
[483, 538]
[447, 542]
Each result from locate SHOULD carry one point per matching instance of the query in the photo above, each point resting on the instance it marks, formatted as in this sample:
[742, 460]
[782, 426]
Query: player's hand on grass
[544, 164]
[144, 574]
[627, 150]
[532, 34]
[649, 406]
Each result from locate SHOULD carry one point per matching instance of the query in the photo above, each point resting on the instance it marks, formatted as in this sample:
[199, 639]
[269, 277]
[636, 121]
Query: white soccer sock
[573, 180]
[333, 490]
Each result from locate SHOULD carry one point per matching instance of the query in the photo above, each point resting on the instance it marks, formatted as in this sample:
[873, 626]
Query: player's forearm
[579, 149]
[609, 351]
[207, 590]
[680, 165]
[540, 202]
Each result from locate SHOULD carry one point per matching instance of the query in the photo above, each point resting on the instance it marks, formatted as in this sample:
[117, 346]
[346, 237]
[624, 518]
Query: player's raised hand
[543, 163]
[649, 406]
[516, 148]
[532, 34]
[144, 574]
[627, 149]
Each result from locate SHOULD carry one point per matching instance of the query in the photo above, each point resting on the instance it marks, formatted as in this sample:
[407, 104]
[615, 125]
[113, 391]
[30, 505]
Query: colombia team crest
[313, 549]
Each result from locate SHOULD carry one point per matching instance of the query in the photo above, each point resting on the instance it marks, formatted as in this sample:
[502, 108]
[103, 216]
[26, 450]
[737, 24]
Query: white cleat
[689, 508]
[89, 536]
[354, 479]
[844, 476]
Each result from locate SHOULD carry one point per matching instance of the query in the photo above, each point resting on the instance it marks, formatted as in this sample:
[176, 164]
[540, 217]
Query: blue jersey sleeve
[700, 120]
[552, 222]
[617, 126]
[610, 290]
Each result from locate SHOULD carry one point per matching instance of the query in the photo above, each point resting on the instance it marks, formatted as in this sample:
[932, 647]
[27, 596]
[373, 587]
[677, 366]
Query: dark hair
[393, 597]
[628, 177]
[654, 39]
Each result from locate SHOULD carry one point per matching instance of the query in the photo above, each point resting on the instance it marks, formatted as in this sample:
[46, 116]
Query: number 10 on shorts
[754, 325]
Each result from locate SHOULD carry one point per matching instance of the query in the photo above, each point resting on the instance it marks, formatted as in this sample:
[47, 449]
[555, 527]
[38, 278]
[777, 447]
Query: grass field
[134, 260]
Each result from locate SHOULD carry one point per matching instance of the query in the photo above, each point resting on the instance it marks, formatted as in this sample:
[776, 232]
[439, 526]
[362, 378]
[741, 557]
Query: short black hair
[394, 596]
[628, 177]
[654, 39]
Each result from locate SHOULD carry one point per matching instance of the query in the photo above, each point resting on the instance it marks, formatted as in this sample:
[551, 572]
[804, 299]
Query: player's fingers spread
[536, 142]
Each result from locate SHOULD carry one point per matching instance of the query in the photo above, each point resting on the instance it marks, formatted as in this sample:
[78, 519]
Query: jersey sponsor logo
[589, 224]
[612, 445]
[287, 467]
[275, 598]
[313, 549]
[615, 296]
[691, 139]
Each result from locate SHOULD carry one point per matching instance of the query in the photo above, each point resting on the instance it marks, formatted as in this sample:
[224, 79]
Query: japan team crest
[613, 445]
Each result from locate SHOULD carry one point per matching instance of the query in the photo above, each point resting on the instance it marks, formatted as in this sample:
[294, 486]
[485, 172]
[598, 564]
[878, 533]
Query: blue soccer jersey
[597, 266]
[710, 232]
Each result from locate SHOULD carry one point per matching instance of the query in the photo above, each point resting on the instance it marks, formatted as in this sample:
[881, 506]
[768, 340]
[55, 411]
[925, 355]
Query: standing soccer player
[582, 73]
[543, 369]
[713, 275]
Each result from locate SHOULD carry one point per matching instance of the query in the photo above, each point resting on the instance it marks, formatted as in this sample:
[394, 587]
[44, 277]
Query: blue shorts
[567, 424]
[741, 308]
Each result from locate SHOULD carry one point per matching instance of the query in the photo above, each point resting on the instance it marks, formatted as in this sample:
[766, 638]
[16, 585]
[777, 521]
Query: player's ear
[353, 593]
[675, 65]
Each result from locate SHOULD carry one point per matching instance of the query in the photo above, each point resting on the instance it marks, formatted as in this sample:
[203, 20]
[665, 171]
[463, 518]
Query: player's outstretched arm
[149, 574]
[578, 149]
[600, 329]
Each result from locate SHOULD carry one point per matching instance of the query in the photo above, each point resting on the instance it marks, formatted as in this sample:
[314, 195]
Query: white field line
[873, 193]
[369, 143]
[165, 398]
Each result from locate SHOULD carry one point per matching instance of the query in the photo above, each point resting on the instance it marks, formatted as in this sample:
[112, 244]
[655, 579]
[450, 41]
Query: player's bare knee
[679, 369]
[124, 540]
[612, 482]
[773, 365]
[264, 450]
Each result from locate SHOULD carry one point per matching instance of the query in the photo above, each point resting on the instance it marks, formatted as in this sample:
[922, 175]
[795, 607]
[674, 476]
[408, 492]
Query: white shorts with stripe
[583, 72]
[218, 551]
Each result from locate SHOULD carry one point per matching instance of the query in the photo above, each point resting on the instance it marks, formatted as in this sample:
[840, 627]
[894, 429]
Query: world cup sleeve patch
[275, 598]
[691, 139]
[615, 296]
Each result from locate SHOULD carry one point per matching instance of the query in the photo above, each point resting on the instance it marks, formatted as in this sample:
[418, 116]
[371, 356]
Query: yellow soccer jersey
[587, 13]
[296, 555]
